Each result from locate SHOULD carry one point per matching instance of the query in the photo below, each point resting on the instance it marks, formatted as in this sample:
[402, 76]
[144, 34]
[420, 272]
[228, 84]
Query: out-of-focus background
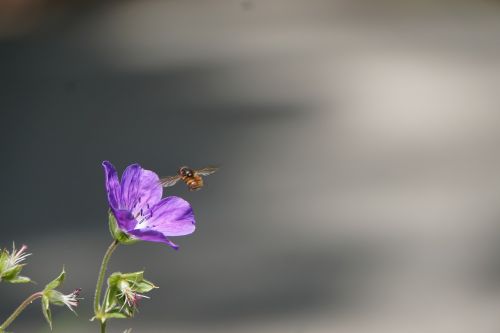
[359, 144]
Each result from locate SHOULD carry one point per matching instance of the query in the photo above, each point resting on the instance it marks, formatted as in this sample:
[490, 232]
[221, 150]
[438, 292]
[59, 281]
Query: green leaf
[46, 310]
[56, 282]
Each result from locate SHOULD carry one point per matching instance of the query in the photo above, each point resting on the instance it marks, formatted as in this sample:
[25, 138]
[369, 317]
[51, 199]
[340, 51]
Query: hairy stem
[20, 309]
[100, 279]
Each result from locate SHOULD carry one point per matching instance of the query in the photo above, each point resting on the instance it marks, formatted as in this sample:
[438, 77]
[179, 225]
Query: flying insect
[193, 178]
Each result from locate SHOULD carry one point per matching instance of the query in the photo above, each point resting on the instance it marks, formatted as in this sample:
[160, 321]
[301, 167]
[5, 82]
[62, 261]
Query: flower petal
[152, 236]
[112, 185]
[150, 191]
[130, 185]
[172, 216]
[124, 219]
[141, 189]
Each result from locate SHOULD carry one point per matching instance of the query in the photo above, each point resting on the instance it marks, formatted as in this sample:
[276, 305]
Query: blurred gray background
[359, 144]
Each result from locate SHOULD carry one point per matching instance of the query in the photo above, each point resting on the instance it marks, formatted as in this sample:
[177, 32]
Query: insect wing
[206, 171]
[169, 181]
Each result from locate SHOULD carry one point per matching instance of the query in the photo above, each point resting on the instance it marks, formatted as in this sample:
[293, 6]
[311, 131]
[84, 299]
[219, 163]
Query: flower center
[144, 214]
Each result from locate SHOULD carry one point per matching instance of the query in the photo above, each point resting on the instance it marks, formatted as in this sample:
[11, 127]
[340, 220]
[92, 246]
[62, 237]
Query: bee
[192, 177]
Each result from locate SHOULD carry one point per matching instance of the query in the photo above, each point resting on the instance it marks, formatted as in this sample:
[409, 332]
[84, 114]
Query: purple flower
[139, 210]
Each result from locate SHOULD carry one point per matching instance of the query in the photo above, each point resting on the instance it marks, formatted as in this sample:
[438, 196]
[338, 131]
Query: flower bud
[124, 294]
[52, 296]
[70, 300]
[11, 265]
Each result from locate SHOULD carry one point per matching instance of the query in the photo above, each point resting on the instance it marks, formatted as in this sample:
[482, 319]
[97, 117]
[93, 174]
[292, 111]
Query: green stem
[100, 279]
[20, 309]
[103, 327]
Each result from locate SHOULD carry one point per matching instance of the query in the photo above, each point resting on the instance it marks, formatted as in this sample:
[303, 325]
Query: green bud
[124, 292]
[52, 296]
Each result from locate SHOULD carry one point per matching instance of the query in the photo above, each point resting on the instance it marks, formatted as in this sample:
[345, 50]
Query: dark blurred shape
[23, 17]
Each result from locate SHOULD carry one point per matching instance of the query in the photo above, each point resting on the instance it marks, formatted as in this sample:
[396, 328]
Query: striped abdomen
[194, 183]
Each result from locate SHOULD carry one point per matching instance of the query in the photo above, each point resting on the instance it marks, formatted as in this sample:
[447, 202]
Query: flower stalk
[20, 309]
[100, 279]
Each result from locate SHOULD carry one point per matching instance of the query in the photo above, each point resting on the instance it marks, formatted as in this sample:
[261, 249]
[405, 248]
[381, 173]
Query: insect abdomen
[194, 183]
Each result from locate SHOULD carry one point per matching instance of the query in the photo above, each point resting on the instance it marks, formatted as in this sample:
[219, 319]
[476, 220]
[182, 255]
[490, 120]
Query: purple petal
[141, 189]
[172, 216]
[112, 185]
[130, 185]
[152, 236]
[124, 219]
[150, 191]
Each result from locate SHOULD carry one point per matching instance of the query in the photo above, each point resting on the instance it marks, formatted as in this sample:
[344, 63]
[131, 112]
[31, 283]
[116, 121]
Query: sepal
[56, 282]
[117, 233]
[20, 279]
[46, 310]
